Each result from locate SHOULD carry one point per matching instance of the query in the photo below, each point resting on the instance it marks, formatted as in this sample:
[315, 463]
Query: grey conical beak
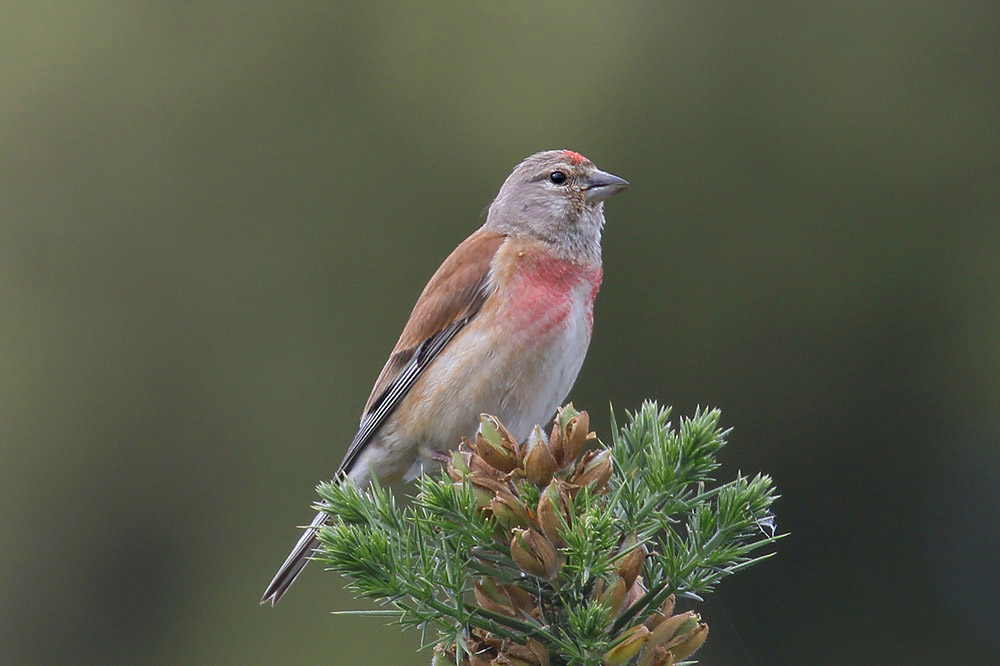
[600, 185]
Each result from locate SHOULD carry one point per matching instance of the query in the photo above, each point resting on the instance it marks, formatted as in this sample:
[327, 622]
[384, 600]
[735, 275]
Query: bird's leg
[443, 457]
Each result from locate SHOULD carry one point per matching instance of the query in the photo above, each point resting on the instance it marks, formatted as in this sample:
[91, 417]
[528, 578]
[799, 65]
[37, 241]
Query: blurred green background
[217, 215]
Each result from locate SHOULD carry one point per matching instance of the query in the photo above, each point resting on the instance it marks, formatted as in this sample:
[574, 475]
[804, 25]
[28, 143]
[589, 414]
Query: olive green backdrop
[215, 216]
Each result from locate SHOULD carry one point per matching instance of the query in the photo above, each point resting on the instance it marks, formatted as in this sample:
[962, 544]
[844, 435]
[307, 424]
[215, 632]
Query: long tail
[295, 562]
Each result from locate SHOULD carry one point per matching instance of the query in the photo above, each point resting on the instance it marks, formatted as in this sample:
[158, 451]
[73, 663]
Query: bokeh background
[215, 217]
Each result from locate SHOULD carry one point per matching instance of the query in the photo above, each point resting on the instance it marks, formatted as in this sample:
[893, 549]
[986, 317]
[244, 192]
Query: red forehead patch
[575, 158]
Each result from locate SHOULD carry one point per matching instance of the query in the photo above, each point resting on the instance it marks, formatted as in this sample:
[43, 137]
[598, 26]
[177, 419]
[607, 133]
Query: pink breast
[546, 293]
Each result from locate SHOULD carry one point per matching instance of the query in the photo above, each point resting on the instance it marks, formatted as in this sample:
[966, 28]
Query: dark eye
[557, 177]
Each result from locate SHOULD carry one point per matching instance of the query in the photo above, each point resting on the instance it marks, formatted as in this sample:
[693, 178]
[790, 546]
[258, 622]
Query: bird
[502, 327]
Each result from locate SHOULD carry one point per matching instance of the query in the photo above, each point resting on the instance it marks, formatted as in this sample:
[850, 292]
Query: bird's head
[558, 197]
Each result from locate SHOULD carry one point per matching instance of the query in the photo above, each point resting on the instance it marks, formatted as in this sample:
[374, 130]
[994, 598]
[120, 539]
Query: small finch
[501, 328]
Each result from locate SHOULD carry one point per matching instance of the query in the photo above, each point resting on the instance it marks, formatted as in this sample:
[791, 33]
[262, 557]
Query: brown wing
[450, 300]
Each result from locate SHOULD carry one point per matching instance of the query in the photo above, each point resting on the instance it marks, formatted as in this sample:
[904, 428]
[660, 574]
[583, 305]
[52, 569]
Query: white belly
[520, 376]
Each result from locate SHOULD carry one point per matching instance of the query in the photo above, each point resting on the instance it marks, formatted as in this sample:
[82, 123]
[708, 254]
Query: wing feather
[451, 299]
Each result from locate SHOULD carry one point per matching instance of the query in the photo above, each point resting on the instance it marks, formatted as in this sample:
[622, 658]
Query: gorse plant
[550, 552]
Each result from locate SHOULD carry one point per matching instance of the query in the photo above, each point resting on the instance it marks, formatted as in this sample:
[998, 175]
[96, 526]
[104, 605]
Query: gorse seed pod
[556, 439]
[659, 656]
[594, 470]
[662, 613]
[629, 643]
[519, 599]
[495, 445]
[611, 594]
[509, 510]
[673, 626]
[534, 554]
[631, 562]
[539, 463]
[481, 471]
[634, 593]
[555, 443]
[489, 597]
[553, 512]
[575, 436]
[458, 466]
[690, 642]
[564, 414]
[483, 495]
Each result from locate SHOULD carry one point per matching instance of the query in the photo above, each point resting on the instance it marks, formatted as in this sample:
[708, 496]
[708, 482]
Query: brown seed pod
[594, 469]
[611, 594]
[575, 436]
[553, 511]
[534, 554]
[495, 445]
[691, 641]
[539, 463]
[489, 597]
[630, 564]
[510, 511]
[628, 645]
[662, 613]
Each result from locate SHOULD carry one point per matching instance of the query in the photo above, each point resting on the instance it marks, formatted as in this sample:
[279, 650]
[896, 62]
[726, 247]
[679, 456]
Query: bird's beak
[601, 185]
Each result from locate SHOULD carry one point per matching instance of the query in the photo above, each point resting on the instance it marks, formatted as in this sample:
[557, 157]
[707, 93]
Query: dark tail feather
[295, 562]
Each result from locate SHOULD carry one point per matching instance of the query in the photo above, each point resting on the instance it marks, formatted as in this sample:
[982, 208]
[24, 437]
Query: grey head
[556, 196]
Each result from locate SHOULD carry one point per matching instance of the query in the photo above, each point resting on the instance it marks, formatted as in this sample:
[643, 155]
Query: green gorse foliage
[543, 553]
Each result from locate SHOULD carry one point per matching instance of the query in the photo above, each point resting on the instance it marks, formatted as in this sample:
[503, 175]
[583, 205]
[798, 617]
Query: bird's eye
[557, 177]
